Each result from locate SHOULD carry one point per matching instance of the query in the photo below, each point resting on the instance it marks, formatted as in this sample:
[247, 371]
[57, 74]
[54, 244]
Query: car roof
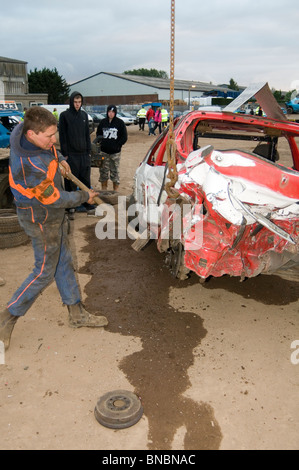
[206, 122]
[9, 113]
[225, 120]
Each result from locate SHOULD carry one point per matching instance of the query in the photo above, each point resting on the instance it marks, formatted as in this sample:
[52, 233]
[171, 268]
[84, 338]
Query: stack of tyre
[11, 233]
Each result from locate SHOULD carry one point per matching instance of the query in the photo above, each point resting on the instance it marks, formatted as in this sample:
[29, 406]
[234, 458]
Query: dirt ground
[211, 363]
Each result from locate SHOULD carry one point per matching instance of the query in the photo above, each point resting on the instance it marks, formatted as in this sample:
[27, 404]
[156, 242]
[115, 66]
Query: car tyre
[9, 222]
[6, 196]
[175, 262]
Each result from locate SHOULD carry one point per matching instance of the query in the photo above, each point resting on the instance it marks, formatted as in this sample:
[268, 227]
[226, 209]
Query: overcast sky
[215, 40]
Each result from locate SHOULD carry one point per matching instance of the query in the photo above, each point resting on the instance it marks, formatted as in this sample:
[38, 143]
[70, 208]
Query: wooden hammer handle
[80, 185]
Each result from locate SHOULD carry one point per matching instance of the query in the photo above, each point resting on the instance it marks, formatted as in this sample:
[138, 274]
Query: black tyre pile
[11, 233]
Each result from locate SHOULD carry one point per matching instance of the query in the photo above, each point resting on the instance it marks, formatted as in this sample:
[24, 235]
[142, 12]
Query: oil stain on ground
[132, 290]
[265, 289]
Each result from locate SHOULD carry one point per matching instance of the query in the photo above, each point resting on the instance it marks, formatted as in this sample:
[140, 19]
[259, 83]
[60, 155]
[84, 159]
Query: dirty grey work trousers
[53, 260]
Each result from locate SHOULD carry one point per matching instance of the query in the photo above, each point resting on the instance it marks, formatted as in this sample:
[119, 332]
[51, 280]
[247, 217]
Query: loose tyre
[9, 221]
[10, 240]
[11, 233]
[6, 197]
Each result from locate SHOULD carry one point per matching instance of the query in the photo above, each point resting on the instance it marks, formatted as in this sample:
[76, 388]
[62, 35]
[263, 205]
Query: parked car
[126, 117]
[228, 212]
[10, 116]
[177, 114]
[134, 115]
[293, 105]
[97, 117]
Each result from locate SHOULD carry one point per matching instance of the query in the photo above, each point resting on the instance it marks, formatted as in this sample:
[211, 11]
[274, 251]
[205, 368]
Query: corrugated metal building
[14, 83]
[115, 88]
[13, 74]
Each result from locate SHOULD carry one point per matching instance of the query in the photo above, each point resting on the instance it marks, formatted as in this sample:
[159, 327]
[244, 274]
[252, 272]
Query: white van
[64, 107]
[59, 107]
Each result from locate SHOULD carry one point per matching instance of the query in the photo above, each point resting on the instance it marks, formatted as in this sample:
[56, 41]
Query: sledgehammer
[80, 185]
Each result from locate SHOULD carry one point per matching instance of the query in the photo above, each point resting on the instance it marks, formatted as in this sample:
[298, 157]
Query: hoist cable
[171, 145]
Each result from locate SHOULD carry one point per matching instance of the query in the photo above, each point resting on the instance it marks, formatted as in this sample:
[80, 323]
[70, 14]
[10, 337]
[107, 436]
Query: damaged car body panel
[242, 215]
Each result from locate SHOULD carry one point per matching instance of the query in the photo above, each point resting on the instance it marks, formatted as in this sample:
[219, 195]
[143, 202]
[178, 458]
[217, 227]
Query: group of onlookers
[156, 118]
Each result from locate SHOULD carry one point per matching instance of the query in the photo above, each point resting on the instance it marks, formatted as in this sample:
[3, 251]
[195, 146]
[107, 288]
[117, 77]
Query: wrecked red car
[235, 205]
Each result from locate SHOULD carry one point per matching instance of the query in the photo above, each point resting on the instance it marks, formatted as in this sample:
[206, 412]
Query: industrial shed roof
[161, 83]
[7, 59]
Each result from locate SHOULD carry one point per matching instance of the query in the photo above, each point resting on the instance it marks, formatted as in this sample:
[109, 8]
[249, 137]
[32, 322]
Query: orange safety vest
[45, 192]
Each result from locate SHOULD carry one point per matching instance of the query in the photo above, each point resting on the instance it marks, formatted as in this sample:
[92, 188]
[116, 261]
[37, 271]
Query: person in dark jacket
[75, 142]
[35, 176]
[112, 133]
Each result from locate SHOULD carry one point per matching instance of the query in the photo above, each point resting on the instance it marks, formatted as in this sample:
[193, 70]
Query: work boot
[104, 185]
[115, 186]
[7, 323]
[79, 317]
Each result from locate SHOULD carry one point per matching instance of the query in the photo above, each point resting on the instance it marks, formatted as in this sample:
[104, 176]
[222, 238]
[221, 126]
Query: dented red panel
[240, 246]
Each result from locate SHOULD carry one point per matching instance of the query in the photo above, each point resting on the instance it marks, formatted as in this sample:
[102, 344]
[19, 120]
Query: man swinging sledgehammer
[35, 175]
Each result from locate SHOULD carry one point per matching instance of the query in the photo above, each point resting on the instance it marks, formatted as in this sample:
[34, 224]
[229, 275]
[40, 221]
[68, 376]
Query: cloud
[215, 40]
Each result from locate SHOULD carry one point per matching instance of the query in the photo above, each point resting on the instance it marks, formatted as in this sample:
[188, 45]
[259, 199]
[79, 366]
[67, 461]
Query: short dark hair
[38, 119]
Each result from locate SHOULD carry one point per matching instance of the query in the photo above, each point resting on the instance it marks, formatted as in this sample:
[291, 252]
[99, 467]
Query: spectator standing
[259, 111]
[75, 144]
[112, 133]
[151, 126]
[150, 115]
[164, 113]
[158, 120]
[22, 118]
[55, 113]
[141, 118]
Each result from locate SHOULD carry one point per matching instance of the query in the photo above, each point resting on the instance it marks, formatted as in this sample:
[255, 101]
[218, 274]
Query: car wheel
[175, 261]
[289, 110]
[130, 202]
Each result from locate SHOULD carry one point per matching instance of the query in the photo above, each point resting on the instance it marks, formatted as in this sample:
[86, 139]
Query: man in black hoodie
[112, 133]
[75, 141]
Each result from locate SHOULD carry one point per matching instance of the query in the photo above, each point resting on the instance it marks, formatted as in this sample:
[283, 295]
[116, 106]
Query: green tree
[49, 81]
[147, 73]
[233, 85]
[283, 97]
[278, 95]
